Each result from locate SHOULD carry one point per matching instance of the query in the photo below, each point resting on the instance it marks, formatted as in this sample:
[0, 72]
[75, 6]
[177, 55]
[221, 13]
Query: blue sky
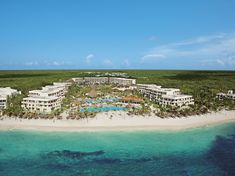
[117, 34]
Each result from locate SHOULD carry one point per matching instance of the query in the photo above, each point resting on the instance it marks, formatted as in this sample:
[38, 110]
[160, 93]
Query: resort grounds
[112, 107]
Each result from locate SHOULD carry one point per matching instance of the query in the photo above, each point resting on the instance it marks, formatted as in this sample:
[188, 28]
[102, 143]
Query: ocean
[202, 151]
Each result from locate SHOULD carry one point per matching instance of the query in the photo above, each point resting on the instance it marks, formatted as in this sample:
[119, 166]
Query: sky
[117, 34]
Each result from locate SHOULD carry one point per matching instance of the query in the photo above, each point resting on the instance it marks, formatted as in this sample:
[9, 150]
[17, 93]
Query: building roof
[132, 99]
[220, 93]
[47, 90]
[2, 98]
[92, 93]
[7, 91]
[51, 98]
[62, 84]
[176, 96]
[148, 85]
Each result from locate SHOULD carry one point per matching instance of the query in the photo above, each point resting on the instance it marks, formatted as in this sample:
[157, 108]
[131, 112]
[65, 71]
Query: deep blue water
[202, 151]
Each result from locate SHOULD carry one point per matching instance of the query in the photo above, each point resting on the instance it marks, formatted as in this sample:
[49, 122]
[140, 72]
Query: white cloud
[152, 57]
[32, 63]
[88, 58]
[46, 63]
[229, 61]
[126, 63]
[153, 38]
[108, 62]
[217, 49]
[221, 62]
[55, 63]
[200, 40]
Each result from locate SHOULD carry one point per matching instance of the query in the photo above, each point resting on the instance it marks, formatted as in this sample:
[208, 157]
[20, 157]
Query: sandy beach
[118, 121]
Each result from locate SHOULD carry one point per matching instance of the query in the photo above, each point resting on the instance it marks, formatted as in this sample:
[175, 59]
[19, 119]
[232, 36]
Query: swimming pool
[103, 109]
[102, 100]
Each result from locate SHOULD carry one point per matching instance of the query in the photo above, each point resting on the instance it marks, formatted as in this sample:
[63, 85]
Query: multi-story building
[116, 74]
[122, 81]
[41, 104]
[47, 91]
[142, 87]
[4, 94]
[229, 95]
[176, 100]
[96, 80]
[165, 96]
[105, 80]
[46, 100]
[79, 80]
[64, 85]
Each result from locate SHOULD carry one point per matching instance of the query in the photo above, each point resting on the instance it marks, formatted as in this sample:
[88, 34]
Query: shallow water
[202, 151]
[103, 109]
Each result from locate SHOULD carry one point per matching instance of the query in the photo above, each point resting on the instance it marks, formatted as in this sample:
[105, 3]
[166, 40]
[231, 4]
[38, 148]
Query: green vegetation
[187, 81]
[14, 106]
[203, 85]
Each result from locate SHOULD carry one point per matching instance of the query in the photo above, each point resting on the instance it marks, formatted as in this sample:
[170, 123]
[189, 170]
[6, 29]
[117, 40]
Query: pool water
[102, 100]
[103, 109]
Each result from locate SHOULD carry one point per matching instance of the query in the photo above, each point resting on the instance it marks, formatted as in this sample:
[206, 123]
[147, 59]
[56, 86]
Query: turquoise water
[102, 100]
[102, 109]
[204, 151]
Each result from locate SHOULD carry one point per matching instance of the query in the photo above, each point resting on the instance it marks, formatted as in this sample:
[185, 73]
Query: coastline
[119, 121]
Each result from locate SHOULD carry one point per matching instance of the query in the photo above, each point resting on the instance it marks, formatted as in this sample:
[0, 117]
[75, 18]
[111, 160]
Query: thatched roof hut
[92, 93]
[132, 99]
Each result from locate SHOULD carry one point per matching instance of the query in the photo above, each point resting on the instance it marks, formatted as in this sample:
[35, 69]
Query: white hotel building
[105, 80]
[41, 104]
[4, 94]
[122, 81]
[96, 80]
[229, 95]
[46, 100]
[165, 96]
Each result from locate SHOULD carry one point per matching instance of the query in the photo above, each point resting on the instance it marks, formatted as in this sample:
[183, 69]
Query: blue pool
[102, 100]
[103, 109]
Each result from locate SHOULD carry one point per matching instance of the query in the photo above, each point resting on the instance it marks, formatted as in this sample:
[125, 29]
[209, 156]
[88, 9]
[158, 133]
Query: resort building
[79, 80]
[64, 85]
[176, 100]
[134, 87]
[96, 80]
[116, 74]
[122, 81]
[47, 91]
[143, 87]
[105, 80]
[41, 104]
[46, 100]
[229, 95]
[4, 94]
[165, 96]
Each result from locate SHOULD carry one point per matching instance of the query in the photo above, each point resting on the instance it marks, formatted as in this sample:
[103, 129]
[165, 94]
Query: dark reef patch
[107, 161]
[222, 154]
[71, 154]
[124, 161]
[58, 166]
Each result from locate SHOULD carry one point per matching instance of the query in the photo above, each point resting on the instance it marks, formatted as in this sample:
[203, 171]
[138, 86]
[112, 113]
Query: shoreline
[119, 121]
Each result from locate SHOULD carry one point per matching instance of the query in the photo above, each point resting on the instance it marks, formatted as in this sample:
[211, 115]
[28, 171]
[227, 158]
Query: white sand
[120, 121]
